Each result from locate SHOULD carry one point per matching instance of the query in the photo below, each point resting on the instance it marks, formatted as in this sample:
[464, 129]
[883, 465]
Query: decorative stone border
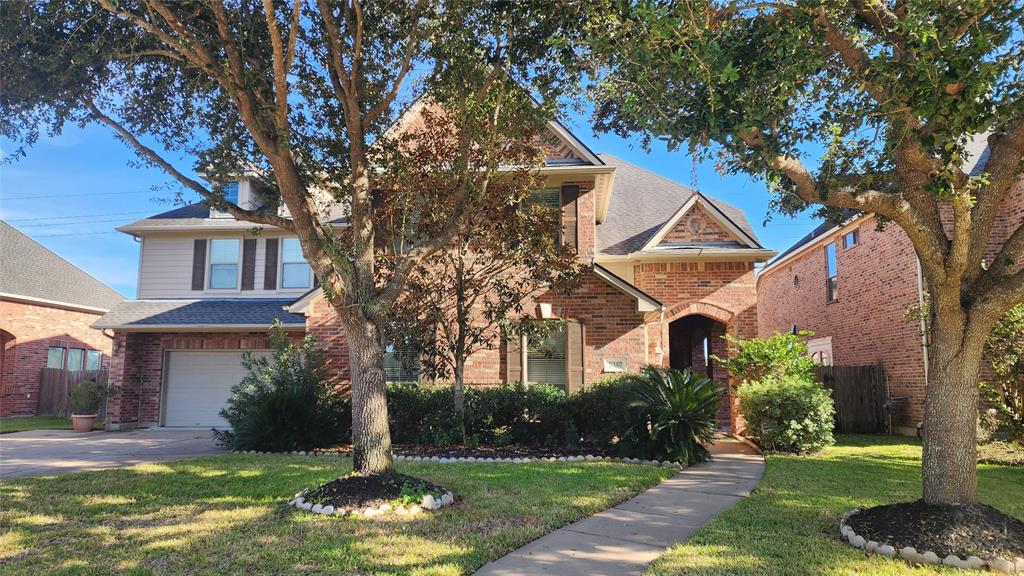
[429, 502]
[910, 554]
[481, 460]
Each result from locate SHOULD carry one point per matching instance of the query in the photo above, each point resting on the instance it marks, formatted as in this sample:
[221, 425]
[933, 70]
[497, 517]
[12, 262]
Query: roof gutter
[194, 327]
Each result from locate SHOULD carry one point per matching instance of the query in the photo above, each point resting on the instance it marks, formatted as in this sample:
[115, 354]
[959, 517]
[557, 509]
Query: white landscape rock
[857, 541]
[327, 509]
[447, 498]
[317, 508]
[1002, 565]
[954, 561]
[909, 554]
[871, 546]
[1019, 564]
[429, 502]
[930, 557]
[974, 563]
[886, 550]
[306, 506]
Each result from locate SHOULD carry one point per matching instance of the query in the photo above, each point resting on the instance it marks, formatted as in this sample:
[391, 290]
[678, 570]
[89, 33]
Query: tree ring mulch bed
[370, 495]
[960, 531]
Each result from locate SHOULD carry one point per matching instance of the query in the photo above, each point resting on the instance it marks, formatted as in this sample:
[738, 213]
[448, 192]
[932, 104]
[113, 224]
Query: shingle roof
[642, 202]
[221, 313]
[195, 216]
[29, 270]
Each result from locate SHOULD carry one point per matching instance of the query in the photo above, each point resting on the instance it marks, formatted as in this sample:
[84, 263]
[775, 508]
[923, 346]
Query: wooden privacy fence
[859, 396]
[55, 390]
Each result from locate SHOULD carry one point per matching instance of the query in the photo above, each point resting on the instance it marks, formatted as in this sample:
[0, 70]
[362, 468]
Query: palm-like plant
[677, 409]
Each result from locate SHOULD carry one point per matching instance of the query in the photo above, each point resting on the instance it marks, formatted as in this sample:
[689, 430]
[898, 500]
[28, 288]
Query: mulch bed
[512, 451]
[356, 492]
[974, 529]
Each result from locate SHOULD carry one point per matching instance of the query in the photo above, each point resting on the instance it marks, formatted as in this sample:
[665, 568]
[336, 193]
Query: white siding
[165, 268]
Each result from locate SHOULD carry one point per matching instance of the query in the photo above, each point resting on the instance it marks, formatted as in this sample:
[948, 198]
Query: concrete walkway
[625, 539]
[47, 452]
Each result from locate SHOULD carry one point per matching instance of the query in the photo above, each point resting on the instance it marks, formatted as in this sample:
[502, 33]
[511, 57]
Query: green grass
[226, 515]
[8, 425]
[789, 525]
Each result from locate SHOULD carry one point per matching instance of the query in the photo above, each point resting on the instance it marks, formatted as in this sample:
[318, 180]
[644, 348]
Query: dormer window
[295, 272]
[231, 192]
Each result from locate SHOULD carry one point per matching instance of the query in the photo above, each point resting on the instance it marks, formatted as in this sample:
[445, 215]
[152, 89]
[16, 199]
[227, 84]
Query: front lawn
[789, 525]
[8, 425]
[227, 515]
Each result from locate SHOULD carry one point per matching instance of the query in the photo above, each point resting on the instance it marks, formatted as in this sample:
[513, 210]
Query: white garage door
[198, 386]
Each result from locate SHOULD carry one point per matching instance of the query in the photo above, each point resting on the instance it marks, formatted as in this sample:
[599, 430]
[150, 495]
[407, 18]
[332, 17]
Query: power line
[69, 223]
[77, 216]
[75, 234]
[68, 195]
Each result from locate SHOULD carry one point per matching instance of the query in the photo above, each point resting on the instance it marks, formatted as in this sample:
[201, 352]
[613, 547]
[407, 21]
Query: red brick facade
[878, 282]
[27, 331]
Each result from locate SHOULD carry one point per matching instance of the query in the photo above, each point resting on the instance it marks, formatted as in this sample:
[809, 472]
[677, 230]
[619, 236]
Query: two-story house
[853, 284]
[670, 270]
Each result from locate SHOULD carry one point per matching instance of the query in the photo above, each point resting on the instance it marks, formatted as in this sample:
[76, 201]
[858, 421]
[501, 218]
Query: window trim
[63, 357]
[210, 264]
[525, 363]
[281, 263]
[855, 234]
[831, 279]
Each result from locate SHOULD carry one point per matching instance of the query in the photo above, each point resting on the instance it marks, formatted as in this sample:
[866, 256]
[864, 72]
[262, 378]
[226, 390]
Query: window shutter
[570, 228]
[513, 360]
[248, 263]
[573, 356]
[270, 268]
[199, 264]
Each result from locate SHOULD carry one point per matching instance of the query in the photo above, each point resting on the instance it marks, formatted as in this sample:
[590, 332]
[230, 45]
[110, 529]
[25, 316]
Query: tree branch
[192, 184]
[1006, 151]
[403, 70]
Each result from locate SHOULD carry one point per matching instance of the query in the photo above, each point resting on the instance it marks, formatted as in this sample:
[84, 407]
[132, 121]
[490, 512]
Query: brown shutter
[248, 263]
[199, 264]
[570, 229]
[513, 359]
[573, 356]
[270, 268]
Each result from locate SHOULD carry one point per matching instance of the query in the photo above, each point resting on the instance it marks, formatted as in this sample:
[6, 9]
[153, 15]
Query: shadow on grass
[790, 524]
[226, 515]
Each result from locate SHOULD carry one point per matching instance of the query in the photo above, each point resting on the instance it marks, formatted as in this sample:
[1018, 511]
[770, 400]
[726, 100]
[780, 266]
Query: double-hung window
[55, 357]
[93, 360]
[833, 273]
[76, 356]
[295, 272]
[224, 263]
[545, 359]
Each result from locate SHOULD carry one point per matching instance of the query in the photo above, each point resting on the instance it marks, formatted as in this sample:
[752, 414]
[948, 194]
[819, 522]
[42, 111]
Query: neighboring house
[670, 270]
[852, 285]
[47, 307]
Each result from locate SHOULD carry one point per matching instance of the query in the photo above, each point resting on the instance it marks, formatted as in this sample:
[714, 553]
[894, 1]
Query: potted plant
[85, 403]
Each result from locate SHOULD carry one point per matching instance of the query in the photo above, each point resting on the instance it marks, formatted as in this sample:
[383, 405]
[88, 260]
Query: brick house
[852, 285]
[670, 269]
[47, 307]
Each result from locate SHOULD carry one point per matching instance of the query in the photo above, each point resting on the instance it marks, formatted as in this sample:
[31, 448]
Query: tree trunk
[949, 465]
[371, 438]
[460, 397]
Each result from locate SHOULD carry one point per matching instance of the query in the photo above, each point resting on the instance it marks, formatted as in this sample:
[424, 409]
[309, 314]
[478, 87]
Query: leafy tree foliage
[780, 356]
[1005, 392]
[298, 96]
[865, 105]
[468, 296]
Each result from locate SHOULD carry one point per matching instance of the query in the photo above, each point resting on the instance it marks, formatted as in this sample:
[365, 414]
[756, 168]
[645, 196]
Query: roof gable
[30, 271]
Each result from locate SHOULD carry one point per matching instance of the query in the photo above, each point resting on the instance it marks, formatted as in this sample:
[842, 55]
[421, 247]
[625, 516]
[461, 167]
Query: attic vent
[695, 225]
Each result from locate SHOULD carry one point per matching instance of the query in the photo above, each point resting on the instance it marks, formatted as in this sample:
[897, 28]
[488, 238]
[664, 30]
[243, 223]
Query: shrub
[1004, 394]
[677, 409]
[86, 397]
[285, 403]
[421, 414]
[601, 413]
[788, 414]
[779, 356]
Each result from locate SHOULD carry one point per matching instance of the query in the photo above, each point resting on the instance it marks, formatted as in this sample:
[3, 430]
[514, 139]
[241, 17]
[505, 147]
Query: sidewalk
[625, 539]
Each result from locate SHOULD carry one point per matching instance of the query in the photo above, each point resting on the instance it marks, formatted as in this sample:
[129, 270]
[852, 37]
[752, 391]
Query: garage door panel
[199, 384]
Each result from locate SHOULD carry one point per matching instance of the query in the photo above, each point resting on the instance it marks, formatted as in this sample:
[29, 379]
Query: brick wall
[697, 226]
[32, 329]
[137, 369]
[877, 284]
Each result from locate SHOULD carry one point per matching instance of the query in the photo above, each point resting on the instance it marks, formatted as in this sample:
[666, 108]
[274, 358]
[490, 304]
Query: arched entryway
[692, 341]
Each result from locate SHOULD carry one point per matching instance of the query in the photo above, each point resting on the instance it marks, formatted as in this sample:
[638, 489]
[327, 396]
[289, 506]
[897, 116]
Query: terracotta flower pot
[82, 423]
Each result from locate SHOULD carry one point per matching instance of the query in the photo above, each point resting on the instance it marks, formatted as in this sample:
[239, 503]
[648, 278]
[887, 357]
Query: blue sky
[71, 191]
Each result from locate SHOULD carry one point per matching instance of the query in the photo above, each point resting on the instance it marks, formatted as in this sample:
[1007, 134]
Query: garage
[198, 384]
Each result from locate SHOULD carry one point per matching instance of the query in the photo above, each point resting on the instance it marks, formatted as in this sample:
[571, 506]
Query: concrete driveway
[48, 452]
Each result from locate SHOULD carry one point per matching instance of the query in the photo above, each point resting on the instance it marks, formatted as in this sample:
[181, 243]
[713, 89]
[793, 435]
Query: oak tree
[868, 105]
[299, 96]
